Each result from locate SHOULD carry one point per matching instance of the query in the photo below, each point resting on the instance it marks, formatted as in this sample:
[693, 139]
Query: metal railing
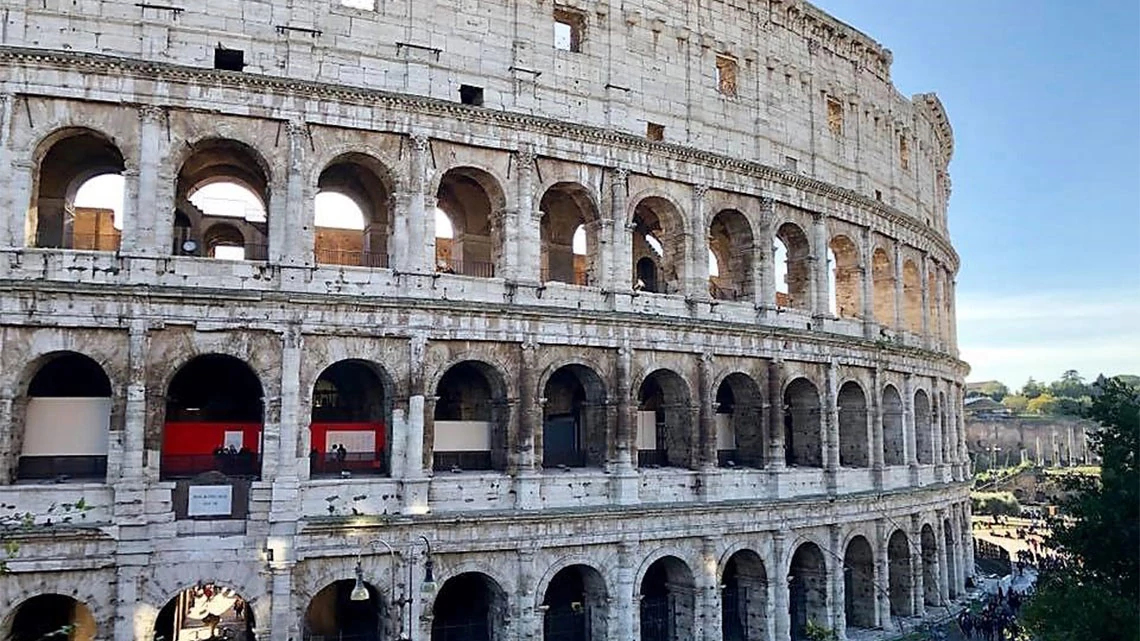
[477, 269]
[724, 293]
[238, 464]
[581, 279]
[61, 467]
[331, 464]
[472, 460]
[105, 241]
[738, 458]
[568, 458]
[350, 257]
[651, 458]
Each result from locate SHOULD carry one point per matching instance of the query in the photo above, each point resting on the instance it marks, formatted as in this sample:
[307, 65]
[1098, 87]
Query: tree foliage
[1092, 592]
[1016, 403]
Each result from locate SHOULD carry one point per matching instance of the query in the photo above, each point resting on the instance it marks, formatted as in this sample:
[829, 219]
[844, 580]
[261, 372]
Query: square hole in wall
[791, 164]
[654, 131]
[726, 69]
[878, 195]
[835, 115]
[569, 30]
[471, 95]
[229, 59]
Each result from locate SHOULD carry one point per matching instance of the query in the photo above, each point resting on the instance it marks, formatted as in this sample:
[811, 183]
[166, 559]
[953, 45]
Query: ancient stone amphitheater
[472, 320]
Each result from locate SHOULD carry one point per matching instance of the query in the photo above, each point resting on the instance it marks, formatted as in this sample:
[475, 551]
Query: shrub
[990, 503]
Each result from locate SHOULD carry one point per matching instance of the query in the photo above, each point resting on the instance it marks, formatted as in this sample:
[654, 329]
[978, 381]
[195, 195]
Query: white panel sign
[354, 441]
[67, 426]
[234, 439]
[210, 500]
[462, 436]
[647, 430]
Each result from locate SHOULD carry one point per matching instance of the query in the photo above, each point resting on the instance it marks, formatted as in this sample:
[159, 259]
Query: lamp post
[427, 586]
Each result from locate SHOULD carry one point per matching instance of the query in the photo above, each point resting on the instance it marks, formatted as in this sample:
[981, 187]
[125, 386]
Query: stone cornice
[145, 70]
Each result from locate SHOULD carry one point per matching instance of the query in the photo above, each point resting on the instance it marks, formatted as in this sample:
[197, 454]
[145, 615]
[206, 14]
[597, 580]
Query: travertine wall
[325, 82]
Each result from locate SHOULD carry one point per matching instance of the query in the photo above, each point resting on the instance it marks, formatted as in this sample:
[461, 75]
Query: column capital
[152, 113]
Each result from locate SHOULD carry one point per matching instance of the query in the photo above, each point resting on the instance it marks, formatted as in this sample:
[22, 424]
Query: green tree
[1042, 404]
[1071, 385]
[1091, 593]
[1016, 403]
[1032, 389]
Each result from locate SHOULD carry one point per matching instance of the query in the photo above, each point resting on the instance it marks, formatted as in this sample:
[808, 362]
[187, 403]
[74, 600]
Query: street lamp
[427, 586]
[360, 591]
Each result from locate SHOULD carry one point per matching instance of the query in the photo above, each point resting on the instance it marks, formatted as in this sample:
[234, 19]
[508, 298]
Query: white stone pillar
[776, 446]
[134, 414]
[12, 192]
[870, 328]
[830, 426]
[883, 573]
[909, 440]
[924, 282]
[141, 225]
[822, 298]
[766, 295]
[621, 249]
[875, 427]
[529, 620]
[709, 591]
[917, 567]
[625, 602]
[697, 259]
[527, 242]
[944, 577]
[291, 228]
[779, 583]
[898, 266]
[836, 580]
[952, 335]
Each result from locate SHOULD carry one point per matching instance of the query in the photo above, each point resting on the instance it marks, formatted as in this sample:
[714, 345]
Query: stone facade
[650, 450]
[997, 441]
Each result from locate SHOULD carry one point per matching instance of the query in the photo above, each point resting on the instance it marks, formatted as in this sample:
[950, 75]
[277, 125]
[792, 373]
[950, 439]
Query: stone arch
[574, 429]
[474, 201]
[44, 615]
[883, 287]
[233, 616]
[668, 605]
[741, 437]
[211, 161]
[470, 418]
[900, 577]
[575, 604]
[351, 409]
[744, 597]
[847, 276]
[335, 612]
[894, 436]
[665, 430]
[568, 207]
[471, 605]
[923, 432]
[795, 291]
[65, 160]
[65, 412]
[807, 589]
[369, 184]
[658, 218]
[912, 297]
[859, 583]
[931, 573]
[732, 244]
[803, 441]
[213, 401]
[854, 446]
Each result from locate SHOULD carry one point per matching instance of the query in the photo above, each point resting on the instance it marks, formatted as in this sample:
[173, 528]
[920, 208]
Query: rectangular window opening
[904, 152]
[471, 95]
[654, 131]
[569, 29]
[726, 69]
[835, 116]
[791, 164]
[878, 195]
[229, 59]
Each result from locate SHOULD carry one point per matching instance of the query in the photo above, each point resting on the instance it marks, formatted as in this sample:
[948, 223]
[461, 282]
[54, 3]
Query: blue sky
[1044, 98]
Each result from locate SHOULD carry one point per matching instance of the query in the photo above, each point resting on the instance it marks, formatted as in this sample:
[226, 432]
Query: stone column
[766, 282]
[870, 327]
[952, 324]
[909, 440]
[527, 242]
[875, 427]
[924, 282]
[415, 482]
[883, 574]
[898, 259]
[287, 461]
[918, 590]
[836, 584]
[936, 426]
[134, 416]
[621, 254]
[284, 618]
[14, 185]
[20, 181]
[529, 622]
[822, 306]
[625, 604]
[939, 304]
[291, 228]
[780, 596]
[944, 577]
[776, 460]
[708, 583]
[830, 427]
[697, 265]
[528, 442]
[623, 488]
[140, 225]
[707, 459]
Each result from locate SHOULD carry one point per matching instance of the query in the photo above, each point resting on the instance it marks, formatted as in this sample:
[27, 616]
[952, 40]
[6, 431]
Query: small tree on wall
[14, 524]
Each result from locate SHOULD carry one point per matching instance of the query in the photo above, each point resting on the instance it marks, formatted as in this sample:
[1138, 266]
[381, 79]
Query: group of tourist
[997, 619]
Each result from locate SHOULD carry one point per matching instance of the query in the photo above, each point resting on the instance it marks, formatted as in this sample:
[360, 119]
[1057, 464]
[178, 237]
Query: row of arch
[223, 189]
[214, 412]
[576, 602]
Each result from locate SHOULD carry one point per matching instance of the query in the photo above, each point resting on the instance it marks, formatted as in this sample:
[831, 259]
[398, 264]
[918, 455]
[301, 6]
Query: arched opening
[883, 287]
[470, 419]
[668, 601]
[923, 435]
[912, 298]
[67, 419]
[894, 438]
[205, 611]
[658, 240]
[898, 563]
[77, 200]
[803, 442]
[854, 446]
[334, 614]
[568, 234]
[846, 278]
[807, 590]
[352, 210]
[731, 246]
[214, 414]
[469, 607]
[574, 606]
[740, 434]
[221, 203]
[52, 616]
[352, 408]
[574, 418]
[951, 560]
[935, 323]
[859, 584]
[664, 423]
[931, 573]
[796, 258]
[744, 598]
[473, 203]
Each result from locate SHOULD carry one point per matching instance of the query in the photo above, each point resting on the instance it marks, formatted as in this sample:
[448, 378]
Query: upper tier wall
[811, 93]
